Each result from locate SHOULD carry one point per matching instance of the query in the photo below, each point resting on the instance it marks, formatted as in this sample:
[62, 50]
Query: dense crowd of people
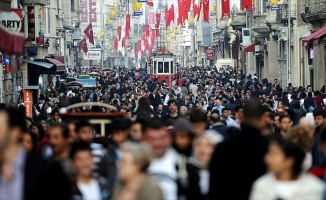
[207, 135]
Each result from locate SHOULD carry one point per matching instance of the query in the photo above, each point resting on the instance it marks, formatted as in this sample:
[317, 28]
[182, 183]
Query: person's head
[204, 145]
[226, 112]
[72, 131]
[320, 116]
[285, 123]
[55, 115]
[29, 141]
[183, 110]
[59, 140]
[183, 134]
[120, 130]
[239, 113]
[135, 159]
[81, 158]
[198, 119]
[136, 130]
[157, 136]
[84, 131]
[284, 158]
[255, 114]
[173, 106]
[128, 114]
[218, 102]
[301, 137]
[308, 123]
[160, 107]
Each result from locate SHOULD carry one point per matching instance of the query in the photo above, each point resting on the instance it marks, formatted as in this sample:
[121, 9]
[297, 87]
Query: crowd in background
[207, 135]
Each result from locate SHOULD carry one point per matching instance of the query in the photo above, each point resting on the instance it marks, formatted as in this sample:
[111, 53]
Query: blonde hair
[301, 137]
[140, 152]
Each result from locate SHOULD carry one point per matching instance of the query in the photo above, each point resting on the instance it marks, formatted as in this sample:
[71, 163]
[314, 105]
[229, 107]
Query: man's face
[225, 113]
[158, 140]
[85, 134]
[136, 132]
[286, 124]
[160, 107]
[173, 108]
[83, 163]
[319, 120]
[4, 134]
[57, 141]
[183, 111]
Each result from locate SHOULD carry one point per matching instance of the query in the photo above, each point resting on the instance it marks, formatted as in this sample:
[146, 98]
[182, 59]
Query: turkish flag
[119, 32]
[247, 4]
[171, 14]
[158, 20]
[127, 25]
[83, 45]
[89, 33]
[167, 17]
[225, 8]
[136, 54]
[123, 42]
[146, 31]
[14, 63]
[184, 6]
[197, 9]
[206, 10]
[139, 45]
[157, 32]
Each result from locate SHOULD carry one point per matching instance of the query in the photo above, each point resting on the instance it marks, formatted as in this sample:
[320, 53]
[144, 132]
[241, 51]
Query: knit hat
[183, 124]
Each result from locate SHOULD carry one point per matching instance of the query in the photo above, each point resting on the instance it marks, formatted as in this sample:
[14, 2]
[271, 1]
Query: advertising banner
[92, 55]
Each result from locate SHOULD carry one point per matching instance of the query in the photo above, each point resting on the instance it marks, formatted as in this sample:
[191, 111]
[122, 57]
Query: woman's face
[35, 130]
[127, 166]
[27, 142]
[203, 150]
[275, 160]
[83, 163]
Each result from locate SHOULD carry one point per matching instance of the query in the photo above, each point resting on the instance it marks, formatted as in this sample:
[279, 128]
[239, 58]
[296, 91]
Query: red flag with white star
[128, 25]
[83, 45]
[247, 4]
[158, 20]
[206, 10]
[89, 33]
[119, 32]
[225, 8]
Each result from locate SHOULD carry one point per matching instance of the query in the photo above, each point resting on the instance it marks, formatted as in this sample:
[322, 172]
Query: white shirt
[306, 187]
[90, 191]
[164, 171]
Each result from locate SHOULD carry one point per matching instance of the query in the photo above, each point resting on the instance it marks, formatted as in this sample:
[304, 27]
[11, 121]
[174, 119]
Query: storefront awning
[38, 63]
[314, 37]
[249, 48]
[60, 66]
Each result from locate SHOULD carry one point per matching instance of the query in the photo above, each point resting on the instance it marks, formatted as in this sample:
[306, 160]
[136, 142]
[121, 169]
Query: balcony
[314, 11]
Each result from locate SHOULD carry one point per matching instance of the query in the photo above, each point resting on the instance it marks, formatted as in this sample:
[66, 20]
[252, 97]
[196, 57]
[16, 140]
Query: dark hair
[291, 150]
[34, 141]
[285, 116]
[319, 112]
[253, 110]
[155, 124]
[237, 108]
[83, 123]
[64, 129]
[144, 105]
[17, 120]
[196, 115]
[226, 108]
[120, 124]
[172, 101]
[79, 146]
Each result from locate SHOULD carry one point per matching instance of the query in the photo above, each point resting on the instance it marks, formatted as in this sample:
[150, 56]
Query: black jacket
[44, 179]
[236, 164]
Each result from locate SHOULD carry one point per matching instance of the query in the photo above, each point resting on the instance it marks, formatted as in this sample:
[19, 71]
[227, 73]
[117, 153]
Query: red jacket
[319, 101]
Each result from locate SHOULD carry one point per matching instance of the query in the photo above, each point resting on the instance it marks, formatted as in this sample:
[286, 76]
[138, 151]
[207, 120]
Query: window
[160, 67]
[171, 67]
[166, 67]
[154, 72]
[263, 6]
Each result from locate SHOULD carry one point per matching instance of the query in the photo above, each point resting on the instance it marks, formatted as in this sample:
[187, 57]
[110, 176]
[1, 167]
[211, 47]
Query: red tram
[161, 66]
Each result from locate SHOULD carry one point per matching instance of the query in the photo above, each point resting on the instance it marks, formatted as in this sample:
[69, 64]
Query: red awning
[60, 66]
[249, 48]
[314, 37]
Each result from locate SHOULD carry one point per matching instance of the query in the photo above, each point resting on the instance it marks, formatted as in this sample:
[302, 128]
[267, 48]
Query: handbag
[32, 51]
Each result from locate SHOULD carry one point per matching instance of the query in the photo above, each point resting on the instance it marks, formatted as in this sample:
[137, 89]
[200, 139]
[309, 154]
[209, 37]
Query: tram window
[166, 67]
[160, 67]
[171, 66]
[154, 72]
